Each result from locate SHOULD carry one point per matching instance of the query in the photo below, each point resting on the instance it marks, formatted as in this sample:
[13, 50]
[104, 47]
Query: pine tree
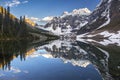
[1, 21]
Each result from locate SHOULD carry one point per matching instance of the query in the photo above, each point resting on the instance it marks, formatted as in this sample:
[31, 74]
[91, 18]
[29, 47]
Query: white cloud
[34, 19]
[47, 19]
[40, 21]
[25, 2]
[15, 3]
[12, 3]
[15, 70]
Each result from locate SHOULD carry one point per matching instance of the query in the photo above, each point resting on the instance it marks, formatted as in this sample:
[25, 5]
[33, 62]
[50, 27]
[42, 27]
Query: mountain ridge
[106, 18]
[92, 25]
[68, 21]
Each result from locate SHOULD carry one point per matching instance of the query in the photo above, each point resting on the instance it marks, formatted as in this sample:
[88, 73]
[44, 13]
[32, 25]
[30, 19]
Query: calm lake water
[59, 60]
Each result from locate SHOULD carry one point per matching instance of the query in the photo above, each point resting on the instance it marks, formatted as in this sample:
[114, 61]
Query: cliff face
[105, 17]
[115, 15]
[99, 16]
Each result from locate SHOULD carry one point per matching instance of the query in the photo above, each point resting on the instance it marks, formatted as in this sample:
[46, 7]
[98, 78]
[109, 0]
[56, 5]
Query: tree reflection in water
[10, 50]
[77, 53]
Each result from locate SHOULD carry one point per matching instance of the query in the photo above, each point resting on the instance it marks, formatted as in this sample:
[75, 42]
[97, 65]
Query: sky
[40, 9]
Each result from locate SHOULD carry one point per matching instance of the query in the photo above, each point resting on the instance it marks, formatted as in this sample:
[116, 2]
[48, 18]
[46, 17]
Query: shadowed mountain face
[104, 17]
[75, 53]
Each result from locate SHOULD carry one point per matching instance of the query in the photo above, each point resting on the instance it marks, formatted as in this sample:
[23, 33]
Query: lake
[59, 60]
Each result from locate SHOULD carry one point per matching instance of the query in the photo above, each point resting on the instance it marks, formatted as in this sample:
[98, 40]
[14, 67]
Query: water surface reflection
[56, 60]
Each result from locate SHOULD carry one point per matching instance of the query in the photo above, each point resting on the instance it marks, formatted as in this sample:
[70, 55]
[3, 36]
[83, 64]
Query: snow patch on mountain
[68, 21]
[57, 31]
[107, 14]
[100, 17]
[111, 35]
[107, 54]
[105, 34]
[82, 24]
[104, 42]
[110, 42]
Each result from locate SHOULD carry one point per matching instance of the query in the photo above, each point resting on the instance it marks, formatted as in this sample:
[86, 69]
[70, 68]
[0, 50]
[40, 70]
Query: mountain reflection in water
[82, 61]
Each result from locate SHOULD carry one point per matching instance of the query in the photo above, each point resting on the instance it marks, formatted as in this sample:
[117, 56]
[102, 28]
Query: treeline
[13, 28]
[10, 26]
[10, 50]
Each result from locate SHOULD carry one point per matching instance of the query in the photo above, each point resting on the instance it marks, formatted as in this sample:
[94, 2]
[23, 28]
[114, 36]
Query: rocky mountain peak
[68, 21]
[100, 17]
[65, 13]
[83, 11]
[80, 12]
[104, 22]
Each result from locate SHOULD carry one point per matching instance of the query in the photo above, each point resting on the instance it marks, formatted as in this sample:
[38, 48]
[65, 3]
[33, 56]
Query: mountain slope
[12, 28]
[105, 18]
[68, 21]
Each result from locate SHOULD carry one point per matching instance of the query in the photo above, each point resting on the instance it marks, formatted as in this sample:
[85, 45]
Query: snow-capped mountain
[83, 11]
[68, 21]
[105, 18]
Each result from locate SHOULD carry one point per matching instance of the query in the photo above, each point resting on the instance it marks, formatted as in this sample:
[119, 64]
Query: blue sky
[43, 8]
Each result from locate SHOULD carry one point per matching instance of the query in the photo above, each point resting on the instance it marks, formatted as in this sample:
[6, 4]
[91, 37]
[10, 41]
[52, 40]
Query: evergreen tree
[1, 20]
